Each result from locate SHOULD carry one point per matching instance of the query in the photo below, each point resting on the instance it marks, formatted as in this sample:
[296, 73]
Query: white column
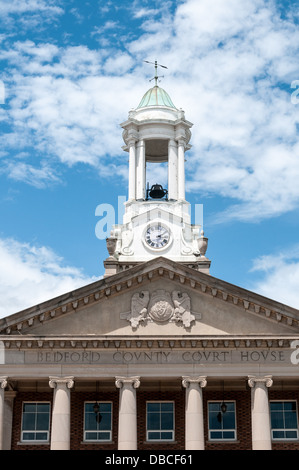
[132, 169]
[140, 170]
[172, 170]
[194, 427]
[3, 384]
[127, 415]
[60, 430]
[181, 169]
[260, 412]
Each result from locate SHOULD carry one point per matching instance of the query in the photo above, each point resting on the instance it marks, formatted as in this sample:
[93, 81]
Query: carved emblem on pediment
[160, 307]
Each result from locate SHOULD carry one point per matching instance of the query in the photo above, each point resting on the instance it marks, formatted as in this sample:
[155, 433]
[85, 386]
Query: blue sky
[70, 71]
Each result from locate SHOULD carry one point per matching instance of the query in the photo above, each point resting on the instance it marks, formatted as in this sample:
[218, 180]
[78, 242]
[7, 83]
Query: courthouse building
[158, 354]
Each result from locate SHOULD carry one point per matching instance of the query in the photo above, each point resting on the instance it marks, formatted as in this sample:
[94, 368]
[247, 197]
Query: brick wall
[243, 417]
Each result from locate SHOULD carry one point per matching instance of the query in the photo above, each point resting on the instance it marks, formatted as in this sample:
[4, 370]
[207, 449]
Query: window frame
[160, 430]
[283, 439]
[234, 430]
[85, 439]
[35, 431]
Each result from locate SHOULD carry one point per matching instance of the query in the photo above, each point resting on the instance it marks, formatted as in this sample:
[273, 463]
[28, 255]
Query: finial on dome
[156, 77]
[156, 96]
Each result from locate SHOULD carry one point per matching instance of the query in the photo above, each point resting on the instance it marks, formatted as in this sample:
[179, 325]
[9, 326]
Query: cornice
[129, 279]
[148, 343]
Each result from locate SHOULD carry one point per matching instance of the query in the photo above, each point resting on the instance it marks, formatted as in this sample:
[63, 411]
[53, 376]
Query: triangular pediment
[156, 298]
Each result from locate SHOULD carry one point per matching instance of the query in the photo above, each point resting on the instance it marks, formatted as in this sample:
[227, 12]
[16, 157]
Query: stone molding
[200, 380]
[266, 380]
[120, 382]
[67, 381]
[128, 342]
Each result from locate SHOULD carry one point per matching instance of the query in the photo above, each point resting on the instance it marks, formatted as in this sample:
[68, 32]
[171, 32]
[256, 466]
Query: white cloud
[23, 6]
[120, 63]
[145, 12]
[280, 276]
[30, 275]
[19, 15]
[38, 177]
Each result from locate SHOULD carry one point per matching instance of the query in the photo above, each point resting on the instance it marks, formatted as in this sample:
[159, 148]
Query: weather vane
[156, 77]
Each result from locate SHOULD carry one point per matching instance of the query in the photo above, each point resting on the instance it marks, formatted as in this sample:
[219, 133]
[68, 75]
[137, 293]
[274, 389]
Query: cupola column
[132, 169]
[181, 169]
[140, 171]
[172, 170]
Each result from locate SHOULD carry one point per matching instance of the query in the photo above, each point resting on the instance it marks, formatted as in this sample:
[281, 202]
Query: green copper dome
[156, 96]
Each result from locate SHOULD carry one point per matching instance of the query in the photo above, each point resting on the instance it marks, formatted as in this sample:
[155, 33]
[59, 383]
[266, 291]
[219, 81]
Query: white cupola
[156, 131]
[157, 219]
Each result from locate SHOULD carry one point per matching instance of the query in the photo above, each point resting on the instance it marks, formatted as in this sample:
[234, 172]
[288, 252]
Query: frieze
[164, 356]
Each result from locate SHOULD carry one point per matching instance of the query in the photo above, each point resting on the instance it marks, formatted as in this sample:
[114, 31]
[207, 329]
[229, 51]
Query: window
[35, 421]
[284, 420]
[222, 425]
[98, 427]
[160, 421]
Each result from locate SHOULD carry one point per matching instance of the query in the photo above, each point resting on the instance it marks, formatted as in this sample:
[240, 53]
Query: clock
[157, 236]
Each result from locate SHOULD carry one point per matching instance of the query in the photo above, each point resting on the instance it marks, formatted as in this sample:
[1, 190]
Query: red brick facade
[243, 418]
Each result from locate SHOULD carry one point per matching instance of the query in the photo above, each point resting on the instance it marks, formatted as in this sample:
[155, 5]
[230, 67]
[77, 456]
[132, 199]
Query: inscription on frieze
[191, 356]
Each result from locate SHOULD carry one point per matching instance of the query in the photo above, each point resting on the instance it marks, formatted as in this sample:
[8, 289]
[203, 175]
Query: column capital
[266, 380]
[3, 382]
[132, 141]
[200, 380]
[121, 381]
[182, 141]
[68, 381]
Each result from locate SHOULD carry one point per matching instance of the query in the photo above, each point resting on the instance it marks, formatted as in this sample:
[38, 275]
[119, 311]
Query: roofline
[133, 276]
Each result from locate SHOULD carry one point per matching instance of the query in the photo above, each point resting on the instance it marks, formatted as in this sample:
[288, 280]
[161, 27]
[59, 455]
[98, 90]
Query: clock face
[157, 236]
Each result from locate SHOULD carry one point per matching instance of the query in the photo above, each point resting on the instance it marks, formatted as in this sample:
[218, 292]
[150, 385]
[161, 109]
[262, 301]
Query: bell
[157, 191]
